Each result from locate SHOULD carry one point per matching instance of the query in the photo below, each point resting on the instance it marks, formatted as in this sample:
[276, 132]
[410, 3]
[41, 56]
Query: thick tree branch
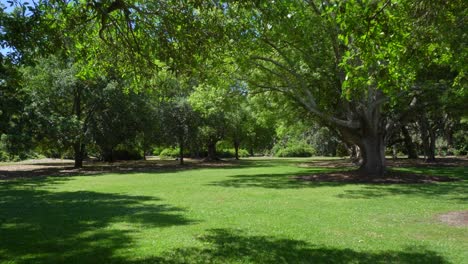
[310, 106]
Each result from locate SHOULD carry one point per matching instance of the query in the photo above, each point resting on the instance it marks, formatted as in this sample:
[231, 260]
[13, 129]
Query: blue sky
[6, 6]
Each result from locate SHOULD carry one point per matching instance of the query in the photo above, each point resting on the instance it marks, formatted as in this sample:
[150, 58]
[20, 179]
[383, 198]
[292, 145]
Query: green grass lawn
[250, 213]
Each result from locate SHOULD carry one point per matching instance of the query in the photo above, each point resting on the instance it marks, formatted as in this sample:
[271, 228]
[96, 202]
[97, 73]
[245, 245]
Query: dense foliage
[116, 79]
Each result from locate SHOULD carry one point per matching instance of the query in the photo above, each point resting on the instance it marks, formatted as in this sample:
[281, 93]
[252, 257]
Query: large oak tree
[347, 62]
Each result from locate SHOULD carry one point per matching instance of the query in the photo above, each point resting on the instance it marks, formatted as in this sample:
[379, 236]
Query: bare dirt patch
[396, 163]
[458, 218]
[390, 177]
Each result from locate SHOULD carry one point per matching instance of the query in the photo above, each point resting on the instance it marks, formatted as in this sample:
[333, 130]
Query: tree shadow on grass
[229, 246]
[273, 181]
[443, 191]
[73, 227]
[21, 171]
[456, 190]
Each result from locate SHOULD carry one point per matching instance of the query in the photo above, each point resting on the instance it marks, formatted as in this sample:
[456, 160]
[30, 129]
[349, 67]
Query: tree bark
[236, 149]
[431, 150]
[195, 152]
[78, 146]
[181, 153]
[428, 139]
[108, 155]
[371, 145]
[373, 156]
[211, 151]
[409, 145]
[78, 154]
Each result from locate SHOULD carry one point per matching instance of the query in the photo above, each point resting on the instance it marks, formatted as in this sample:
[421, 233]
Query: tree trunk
[181, 153]
[108, 155]
[373, 156]
[78, 154]
[370, 146]
[431, 150]
[428, 140]
[333, 150]
[195, 152]
[211, 151]
[236, 149]
[394, 152]
[409, 145]
[78, 147]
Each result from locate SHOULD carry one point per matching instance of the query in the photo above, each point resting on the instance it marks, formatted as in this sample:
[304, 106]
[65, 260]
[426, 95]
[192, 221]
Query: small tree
[180, 124]
[60, 103]
[211, 103]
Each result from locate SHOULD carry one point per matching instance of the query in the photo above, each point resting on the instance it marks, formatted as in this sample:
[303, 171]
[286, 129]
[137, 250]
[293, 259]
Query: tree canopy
[194, 73]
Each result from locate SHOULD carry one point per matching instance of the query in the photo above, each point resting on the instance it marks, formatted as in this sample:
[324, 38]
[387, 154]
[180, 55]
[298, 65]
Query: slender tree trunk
[409, 145]
[424, 139]
[428, 140]
[195, 152]
[431, 150]
[78, 146]
[394, 152]
[449, 136]
[78, 154]
[236, 149]
[181, 153]
[333, 150]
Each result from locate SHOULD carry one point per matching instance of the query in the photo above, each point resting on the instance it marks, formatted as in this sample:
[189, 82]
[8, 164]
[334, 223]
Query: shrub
[295, 150]
[462, 151]
[4, 156]
[244, 153]
[341, 150]
[231, 153]
[169, 153]
[460, 147]
[126, 154]
[223, 145]
[157, 151]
